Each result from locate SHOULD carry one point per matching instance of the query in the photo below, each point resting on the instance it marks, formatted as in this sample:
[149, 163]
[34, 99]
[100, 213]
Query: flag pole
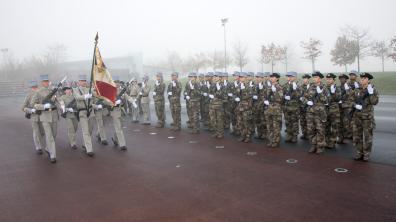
[92, 67]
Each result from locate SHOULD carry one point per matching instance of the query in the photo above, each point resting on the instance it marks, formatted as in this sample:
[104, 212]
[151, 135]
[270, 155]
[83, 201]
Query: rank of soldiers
[322, 111]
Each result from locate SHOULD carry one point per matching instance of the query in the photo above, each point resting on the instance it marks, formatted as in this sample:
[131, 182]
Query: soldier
[364, 98]
[133, 99]
[205, 91]
[145, 100]
[101, 110]
[303, 106]
[316, 113]
[83, 96]
[174, 91]
[333, 111]
[216, 109]
[159, 100]
[244, 108]
[115, 112]
[193, 96]
[30, 113]
[228, 99]
[49, 115]
[188, 108]
[292, 94]
[273, 110]
[258, 107]
[201, 80]
[234, 104]
[69, 106]
[345, 104]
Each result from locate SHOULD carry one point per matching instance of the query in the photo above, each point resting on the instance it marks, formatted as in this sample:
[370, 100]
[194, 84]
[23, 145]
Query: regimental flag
[102, 80]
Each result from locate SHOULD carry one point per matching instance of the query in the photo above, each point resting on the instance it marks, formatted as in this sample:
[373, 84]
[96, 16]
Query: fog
[156, 28]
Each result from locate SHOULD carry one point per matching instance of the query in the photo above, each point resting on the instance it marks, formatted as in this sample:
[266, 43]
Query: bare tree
[284, 56]
[174, 61]
[312, 50]
[240, 57]
[344, 52]
[271, 54]
[392, 47]
[362, 39]
[215, 60]
[381, 50]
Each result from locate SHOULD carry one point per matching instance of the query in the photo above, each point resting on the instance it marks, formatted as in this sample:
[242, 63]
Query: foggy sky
[157, 27]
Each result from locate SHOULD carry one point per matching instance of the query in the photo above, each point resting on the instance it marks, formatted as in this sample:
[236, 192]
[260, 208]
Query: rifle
[73, 105]
[360, 101]
[48, 98]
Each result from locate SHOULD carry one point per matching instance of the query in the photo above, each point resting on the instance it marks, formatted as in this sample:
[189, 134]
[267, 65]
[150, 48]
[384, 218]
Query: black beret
[317, 73]
[306, 76]
[274, 74]
[343, 76]
[366, 75]
[66, 88]
[331, 75]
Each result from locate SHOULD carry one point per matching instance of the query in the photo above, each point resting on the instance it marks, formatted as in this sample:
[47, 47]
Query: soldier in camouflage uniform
[174, 91]
[345, 110]
[188, 107]
[333, 111]
[258, 106]
[159, 100]
[133, 99]
[228, 98]
[273, 110]
[205, 91]
[30, 112]
[292, 94]
[216, 109]
[303, 106]
[201, 81]
[145, 100]
[233, 105]
[244, 108]
[365, 98]
[316, 113]
[193, 96]
[69, 107]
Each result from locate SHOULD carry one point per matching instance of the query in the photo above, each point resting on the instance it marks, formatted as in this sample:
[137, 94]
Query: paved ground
[192, 178]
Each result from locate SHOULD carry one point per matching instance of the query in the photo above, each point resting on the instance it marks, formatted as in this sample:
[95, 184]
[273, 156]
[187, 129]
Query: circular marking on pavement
[171, 137]
[124, 127]
[251, 153]
[192, 141]
[136, 130]
[153, 133]
[219, 147]
[177, 166]
[291, 161]
[341, 170]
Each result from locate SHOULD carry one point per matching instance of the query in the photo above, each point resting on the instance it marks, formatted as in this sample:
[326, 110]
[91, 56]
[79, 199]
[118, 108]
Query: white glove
[191, 85]
[332, 89]
[218, 86]
[268, 83]
[134, 105]
[301, 99]
[47, 106]
[358, 107]
[188, 97]
[173, 83]
[273, 88]
[287, 97]
[229, 94]
[157, 83]
[346, 86]
[318, 90]
[310, 103]
[370, 89]
[154, 93]
[255, 97]
[87, 96]
[170, 93]
[63, 108]
[143, 85]
[33, 110]
[237, 99]
[118, 102]
[356, 85]
[242, 86]
[98, 106]
[266, 102]
[140, 93]
[205, 94]
[211, 96]
[340, 102]
[71, 109]
[294, 86]
[260, 86]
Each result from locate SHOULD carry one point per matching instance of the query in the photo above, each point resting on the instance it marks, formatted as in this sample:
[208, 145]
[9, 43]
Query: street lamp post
[223, 23]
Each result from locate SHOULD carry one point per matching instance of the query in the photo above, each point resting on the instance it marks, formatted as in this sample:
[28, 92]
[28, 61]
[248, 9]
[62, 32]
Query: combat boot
[312, 149]
[319, 150]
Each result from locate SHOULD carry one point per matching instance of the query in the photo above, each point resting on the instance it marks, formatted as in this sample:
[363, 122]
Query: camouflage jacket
[175, 90]
[294, 102]
[193, 92]
[159, 90]
[275, 99]
[333, 98]
[219, 95]
[367, 101]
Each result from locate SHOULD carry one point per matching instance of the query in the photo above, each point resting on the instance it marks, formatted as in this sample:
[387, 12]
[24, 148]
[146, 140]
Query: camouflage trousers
[291, 115]
[216, 114]
[260, 123]
[274, 124]
[175, 108]
[345, 128]
[160, 111]
[363, 135]
[303, 122]
[202, 108]
[227, 114]
[234, 120]
[206, 114]
[316, 125]
[188, 109]
[332, 126]
[193, 114]
[245, 119]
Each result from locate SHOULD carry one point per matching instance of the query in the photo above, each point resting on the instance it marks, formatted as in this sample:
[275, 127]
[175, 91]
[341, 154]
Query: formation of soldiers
[249, 105]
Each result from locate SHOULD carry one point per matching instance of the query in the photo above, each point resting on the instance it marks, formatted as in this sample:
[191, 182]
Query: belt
[50, 109]
[82, 110]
